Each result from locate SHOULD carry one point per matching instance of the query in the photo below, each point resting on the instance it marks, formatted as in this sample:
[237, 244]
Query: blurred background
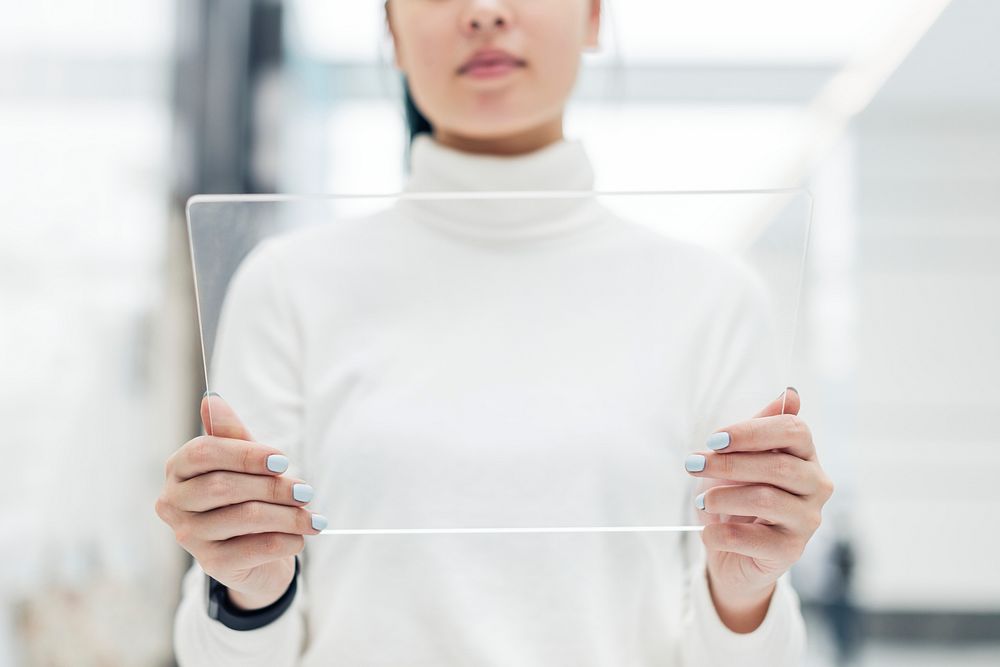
[112, 113]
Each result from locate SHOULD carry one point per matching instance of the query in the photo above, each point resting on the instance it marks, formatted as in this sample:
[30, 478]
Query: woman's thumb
[787, 403]
[220, 420]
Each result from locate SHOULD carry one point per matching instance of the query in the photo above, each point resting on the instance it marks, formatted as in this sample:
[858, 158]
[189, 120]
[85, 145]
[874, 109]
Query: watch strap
[221, 608]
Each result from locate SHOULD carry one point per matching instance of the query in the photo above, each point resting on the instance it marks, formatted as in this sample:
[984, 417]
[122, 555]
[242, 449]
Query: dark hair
[416, 122]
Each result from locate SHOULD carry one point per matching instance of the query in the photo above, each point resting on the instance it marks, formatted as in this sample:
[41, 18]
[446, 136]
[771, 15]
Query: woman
[388, 357]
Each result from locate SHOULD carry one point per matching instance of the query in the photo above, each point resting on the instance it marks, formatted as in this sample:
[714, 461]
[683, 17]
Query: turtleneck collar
[560, 166]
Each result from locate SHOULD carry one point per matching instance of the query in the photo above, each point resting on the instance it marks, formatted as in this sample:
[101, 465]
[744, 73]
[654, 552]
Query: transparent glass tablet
[491, 362]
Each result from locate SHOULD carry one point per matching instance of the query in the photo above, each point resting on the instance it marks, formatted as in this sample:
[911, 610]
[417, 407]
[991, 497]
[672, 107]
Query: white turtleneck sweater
[464, 364]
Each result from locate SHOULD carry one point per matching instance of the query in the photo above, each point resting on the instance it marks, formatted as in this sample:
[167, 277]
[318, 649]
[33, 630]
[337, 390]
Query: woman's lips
[489, 65]
[490, 70]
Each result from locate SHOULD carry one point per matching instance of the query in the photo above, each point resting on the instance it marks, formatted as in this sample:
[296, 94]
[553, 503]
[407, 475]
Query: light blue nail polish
[318, 522]
[302, 492]
[718, 441]
[699, 501]
[694, 463]
[277, 463]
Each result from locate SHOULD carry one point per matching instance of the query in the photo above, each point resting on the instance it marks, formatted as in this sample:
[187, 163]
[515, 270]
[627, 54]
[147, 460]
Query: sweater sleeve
[203, 641]
[255, 367]
[779, 641]
[740, 375]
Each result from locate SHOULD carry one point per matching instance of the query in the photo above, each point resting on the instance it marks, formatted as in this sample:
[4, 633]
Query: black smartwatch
[221, 608]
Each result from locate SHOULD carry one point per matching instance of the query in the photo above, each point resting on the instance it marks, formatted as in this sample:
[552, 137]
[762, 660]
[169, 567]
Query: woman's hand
[763, 494]
[231, 508]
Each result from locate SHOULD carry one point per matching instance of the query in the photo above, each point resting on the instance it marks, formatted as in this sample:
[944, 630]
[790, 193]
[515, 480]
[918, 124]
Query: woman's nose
[483, 16]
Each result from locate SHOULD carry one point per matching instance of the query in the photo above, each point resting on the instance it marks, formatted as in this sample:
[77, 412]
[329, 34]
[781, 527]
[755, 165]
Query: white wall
[926, 397]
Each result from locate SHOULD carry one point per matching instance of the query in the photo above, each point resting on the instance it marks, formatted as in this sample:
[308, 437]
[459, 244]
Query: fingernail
[694, 463]
[277, 463]
[794, 389]
[302, 492]
[699, 501]
[318, 522]
[211, 393]
[718, 440]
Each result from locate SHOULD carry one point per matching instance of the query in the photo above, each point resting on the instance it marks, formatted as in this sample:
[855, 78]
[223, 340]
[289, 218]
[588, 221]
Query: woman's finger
[754, 540]
[760, 434]
[207, 452]
[765, 502]
[221, 487]
[776, 468]
[248, 551]
[249, 518]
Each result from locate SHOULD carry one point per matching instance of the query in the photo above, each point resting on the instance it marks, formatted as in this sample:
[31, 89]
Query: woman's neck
[515, 144]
